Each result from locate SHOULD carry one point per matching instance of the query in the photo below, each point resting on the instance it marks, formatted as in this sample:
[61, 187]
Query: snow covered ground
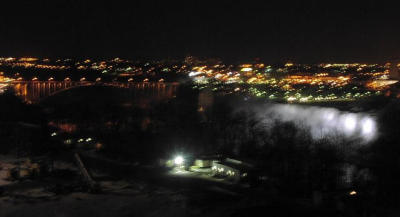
[141, 191]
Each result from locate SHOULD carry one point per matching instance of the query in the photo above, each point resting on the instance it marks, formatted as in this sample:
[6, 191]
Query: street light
[178, 160]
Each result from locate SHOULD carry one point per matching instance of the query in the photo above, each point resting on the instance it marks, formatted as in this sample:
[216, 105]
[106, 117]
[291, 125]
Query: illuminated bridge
[35, 91]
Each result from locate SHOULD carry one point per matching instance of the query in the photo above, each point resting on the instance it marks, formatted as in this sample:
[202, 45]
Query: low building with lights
[231, 169]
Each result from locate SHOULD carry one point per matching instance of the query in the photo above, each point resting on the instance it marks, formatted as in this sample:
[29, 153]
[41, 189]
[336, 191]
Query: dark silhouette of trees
[383, 158]
[23, 128]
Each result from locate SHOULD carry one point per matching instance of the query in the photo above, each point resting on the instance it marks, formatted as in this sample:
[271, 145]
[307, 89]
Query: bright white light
[178, 160]
[329, 116]
[191, 74]
[350, 123]
[368, 126]
[246, 69]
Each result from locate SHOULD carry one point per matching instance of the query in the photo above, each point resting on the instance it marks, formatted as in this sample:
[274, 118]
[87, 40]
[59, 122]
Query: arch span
[36, 91]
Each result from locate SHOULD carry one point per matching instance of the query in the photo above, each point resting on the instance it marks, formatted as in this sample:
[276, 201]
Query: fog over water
[322, 122]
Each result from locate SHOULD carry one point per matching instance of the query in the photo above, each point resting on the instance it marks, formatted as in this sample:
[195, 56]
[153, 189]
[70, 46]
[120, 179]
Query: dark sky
[301, 31]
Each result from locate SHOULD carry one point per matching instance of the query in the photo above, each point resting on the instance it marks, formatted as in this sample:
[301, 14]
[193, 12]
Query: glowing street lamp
[352, 193]
[178, 160]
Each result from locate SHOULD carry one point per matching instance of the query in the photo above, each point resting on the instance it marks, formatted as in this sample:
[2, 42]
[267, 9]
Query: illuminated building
[232, 169]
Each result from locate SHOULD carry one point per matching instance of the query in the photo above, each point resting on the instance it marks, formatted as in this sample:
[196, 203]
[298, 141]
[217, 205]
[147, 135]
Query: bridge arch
[36, 91]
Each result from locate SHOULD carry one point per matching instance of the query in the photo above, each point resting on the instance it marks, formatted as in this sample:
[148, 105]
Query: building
[232, 169]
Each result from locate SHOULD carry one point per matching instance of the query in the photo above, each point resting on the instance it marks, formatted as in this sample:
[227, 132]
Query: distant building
[232, 169]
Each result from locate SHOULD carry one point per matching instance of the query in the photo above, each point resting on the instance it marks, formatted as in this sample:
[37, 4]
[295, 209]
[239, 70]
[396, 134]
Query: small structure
[232, 169]
[203, 162]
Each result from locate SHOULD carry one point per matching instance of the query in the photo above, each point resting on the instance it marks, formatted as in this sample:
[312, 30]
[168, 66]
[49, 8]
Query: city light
[246, 69]
[220, 108]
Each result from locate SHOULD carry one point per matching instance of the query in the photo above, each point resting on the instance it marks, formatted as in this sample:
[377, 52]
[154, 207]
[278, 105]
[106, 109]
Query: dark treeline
[23, 128]
[292, 162]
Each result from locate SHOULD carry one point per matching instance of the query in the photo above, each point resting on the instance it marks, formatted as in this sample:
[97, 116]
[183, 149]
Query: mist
[322, 122]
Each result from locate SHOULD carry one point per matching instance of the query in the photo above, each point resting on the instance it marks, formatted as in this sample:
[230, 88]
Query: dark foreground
[132, 190]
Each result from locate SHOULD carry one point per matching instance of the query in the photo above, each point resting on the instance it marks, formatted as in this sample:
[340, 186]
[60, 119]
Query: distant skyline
[301, 31]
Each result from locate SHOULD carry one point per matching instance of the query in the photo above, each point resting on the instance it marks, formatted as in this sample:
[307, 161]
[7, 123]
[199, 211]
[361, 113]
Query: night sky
[300, 31]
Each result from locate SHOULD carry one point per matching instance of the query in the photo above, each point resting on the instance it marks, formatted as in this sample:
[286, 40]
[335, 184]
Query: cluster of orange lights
[317, 80]
[380, 84]
[40, 66]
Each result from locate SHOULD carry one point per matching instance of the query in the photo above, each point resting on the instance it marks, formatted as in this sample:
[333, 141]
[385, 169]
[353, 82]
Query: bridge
[35, 91]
